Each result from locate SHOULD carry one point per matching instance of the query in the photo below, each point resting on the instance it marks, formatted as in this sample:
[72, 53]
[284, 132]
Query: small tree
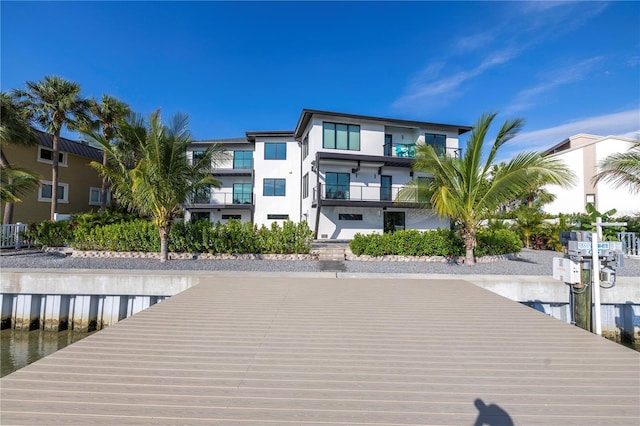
[162, 179]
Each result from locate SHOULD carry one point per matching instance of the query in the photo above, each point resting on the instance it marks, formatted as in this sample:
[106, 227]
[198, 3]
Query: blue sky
[566, 67]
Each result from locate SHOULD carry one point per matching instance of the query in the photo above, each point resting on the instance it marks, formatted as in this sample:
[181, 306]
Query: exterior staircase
[331, 250]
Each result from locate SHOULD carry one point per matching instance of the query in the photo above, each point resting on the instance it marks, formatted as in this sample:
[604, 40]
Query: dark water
[20, 348]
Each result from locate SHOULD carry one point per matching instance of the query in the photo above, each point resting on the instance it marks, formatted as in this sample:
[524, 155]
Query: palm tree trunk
[469, 243]
[164, 233]
[54, 174]
[103, 192]
[8, 207]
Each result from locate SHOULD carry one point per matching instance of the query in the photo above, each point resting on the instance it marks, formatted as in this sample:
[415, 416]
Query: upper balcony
[372, 195]
[408, 150]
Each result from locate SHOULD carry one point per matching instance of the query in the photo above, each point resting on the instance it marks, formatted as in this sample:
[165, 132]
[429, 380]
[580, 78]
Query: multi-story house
[79, 184]
[582, 153]
[339, 172]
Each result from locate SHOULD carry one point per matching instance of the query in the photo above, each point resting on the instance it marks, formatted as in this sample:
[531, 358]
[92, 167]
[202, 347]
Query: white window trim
[62, 163]
[91, 203]
[48, 199]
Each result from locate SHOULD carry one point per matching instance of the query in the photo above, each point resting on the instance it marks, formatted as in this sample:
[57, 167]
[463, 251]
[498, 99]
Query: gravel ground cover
[529, 262]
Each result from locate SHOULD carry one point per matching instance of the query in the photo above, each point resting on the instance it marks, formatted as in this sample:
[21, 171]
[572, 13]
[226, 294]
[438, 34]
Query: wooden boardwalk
[301, 351]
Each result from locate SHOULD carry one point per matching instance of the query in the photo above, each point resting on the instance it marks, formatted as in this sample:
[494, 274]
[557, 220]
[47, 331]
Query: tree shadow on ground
[491, 415]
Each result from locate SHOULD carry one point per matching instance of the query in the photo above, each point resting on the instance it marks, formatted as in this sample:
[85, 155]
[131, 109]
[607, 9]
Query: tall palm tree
[55, 103]
[15, 128]
[622, 169]
[162, 179]
[108, 113]
[469, 189]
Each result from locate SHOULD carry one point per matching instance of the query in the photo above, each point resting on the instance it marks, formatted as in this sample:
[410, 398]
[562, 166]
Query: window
[274, 187]
[44, 192]
[196, 216]
[305, 185]
[202, 195]
[438, 142]
[341, 136]
[95, 196]
[45, 155]
[385, 188]
[231, 216]
[337, 186]
[275, 151]
[591, 199]
[278, 216]
[242, 193]
[196, 155]
[348, 216]
[305, 147]
[242, 159]
[388, 145]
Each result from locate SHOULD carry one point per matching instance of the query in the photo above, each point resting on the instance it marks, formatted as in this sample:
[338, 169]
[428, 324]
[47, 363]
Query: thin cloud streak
[625, 123]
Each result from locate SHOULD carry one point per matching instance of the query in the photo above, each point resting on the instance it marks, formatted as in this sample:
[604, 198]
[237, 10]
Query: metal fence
[630, 243]
[11, 236]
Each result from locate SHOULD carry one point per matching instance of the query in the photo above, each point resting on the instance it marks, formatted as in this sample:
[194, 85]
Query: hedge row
[438, 242]
[192, 237]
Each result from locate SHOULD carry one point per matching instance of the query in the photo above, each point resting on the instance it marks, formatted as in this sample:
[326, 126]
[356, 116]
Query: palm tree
[469, 189]
[108, 112]
[622, 169]
[15, 128]
[162, 179]
[55, 103]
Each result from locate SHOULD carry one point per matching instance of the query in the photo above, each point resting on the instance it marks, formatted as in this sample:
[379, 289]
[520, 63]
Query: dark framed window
[242, 159]
[274, 187]
[385, 188]
[275, 151]
[438, 142]
[202, 195]
[242, 193]
[349, 216]
[337, 185]
[278, 216]
[196, 216]
[388, 145]
[305, 147]
[231, 216]
[341, 136]
[305, 185]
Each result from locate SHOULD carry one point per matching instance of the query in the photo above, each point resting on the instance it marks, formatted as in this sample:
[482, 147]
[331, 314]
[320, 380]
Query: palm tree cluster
[470, 189]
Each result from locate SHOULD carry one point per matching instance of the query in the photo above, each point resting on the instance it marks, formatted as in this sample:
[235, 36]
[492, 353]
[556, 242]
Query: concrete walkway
[289, 350]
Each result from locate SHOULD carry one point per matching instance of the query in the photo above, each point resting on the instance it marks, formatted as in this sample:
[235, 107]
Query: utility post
[588, 261]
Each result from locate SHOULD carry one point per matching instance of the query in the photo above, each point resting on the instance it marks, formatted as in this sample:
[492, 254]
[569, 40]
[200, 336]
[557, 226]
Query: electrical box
[566, 270]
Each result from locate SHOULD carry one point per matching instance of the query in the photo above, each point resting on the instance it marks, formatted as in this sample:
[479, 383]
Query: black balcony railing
[217, 198]
[408, 150]
[354, 192]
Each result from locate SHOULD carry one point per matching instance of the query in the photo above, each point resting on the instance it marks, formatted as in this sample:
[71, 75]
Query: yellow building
[78, 183]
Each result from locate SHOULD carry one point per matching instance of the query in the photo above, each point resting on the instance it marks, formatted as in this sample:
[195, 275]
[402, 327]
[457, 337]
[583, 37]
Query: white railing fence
[630, 243]
[11, 236]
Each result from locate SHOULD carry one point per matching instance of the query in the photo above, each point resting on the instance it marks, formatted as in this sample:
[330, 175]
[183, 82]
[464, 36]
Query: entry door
[385, 188]
[393, 221]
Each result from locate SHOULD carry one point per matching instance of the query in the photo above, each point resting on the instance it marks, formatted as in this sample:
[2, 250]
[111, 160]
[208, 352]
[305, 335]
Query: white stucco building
[339, 172]
[582, 153]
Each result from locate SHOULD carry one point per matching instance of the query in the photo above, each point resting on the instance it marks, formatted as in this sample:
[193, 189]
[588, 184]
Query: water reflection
[20, 348]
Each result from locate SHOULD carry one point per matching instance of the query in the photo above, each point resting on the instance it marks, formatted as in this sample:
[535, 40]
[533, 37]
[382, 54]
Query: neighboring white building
[582, 153]
[339, 172]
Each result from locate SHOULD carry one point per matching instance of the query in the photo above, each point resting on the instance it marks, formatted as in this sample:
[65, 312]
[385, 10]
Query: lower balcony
[218, 200]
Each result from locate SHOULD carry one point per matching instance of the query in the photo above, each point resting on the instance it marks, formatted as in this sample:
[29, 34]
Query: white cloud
[553, 79]
[625, 123]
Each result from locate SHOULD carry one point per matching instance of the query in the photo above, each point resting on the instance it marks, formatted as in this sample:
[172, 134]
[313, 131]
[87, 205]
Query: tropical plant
[621, 169]
[109, 112]
[529, 221]
[55, 104]
[468, 189]
[162, 179]
[15, 129]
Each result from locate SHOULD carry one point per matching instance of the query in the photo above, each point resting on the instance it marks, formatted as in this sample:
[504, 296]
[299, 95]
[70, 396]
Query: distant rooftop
[82, 149]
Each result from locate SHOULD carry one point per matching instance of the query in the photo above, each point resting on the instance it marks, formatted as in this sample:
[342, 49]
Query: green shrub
[50, 234]
[495, 242]
[437, 242]
[137, 235]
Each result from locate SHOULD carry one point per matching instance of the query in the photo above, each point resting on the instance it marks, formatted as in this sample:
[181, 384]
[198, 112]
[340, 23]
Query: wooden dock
[290, 350]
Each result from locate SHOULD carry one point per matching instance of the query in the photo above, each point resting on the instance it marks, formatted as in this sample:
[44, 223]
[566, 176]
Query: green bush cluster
[437, 242]
[121, 233]
[495, 242]
[50, 234]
